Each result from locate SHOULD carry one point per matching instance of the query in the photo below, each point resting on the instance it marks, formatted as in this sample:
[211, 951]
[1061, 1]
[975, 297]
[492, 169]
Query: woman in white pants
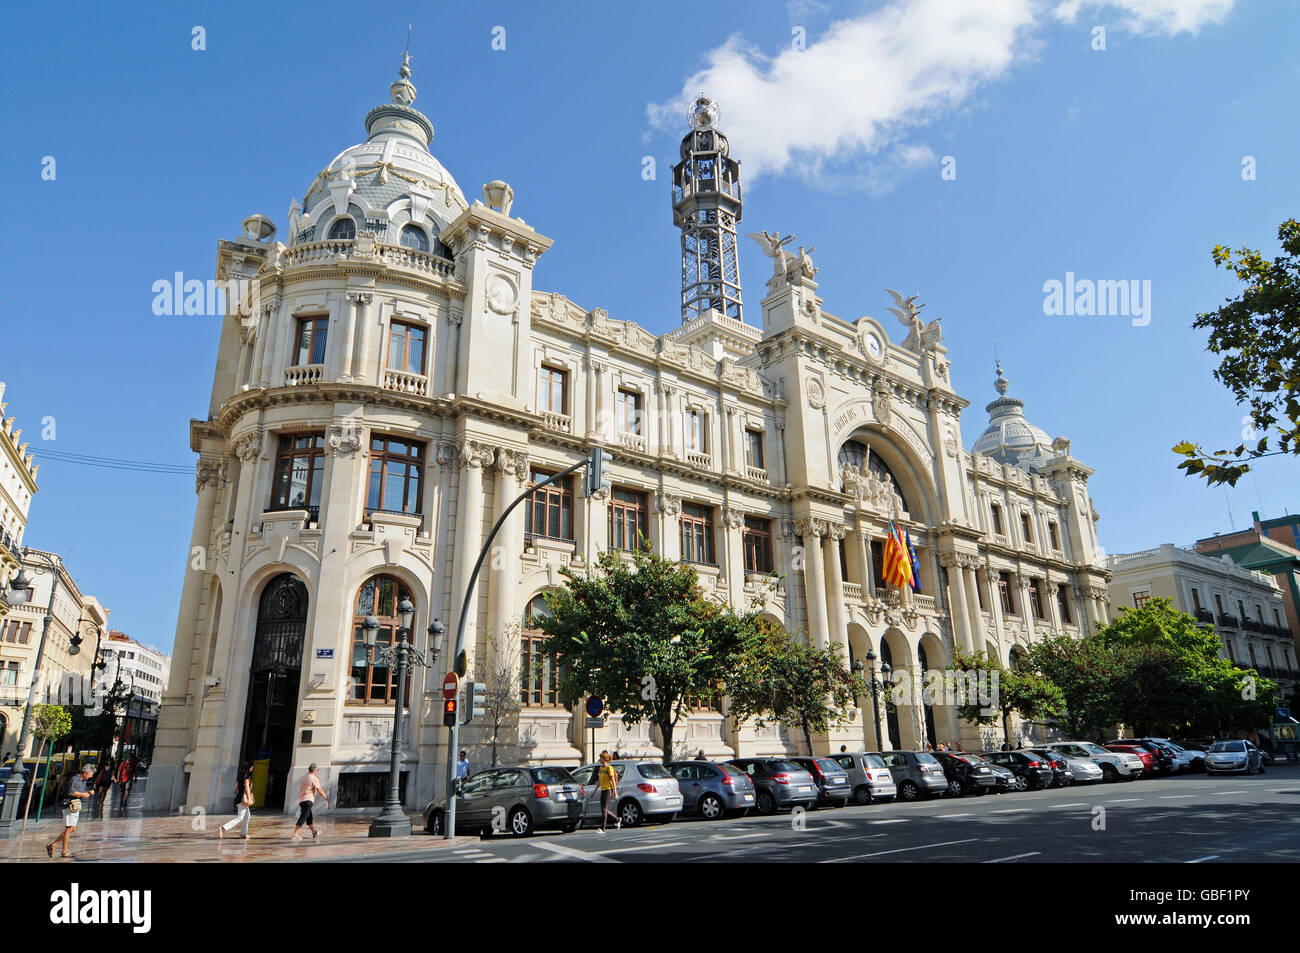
[243, 804]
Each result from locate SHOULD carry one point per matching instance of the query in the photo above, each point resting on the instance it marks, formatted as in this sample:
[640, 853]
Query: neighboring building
[392, 380]
[1244, 606]
[55, 593]
[147, 668]
[1269, 546]
[17, 487]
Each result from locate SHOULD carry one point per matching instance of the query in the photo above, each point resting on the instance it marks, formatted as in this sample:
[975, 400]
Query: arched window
[413, 237]
[343, 230]
[538, 672]
[855, 453]
[372, 679]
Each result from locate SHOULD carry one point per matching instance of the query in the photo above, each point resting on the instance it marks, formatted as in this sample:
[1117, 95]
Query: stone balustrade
[415, 384]
[303, 374]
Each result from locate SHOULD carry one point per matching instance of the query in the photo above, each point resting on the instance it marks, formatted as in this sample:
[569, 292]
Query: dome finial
[402, 91]
[1000, 385]
[704, 113]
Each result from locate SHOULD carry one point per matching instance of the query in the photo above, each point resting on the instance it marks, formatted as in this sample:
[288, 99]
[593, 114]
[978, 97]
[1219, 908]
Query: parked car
[1150, 762]
[869, 779]
[1006, 779]
[1031, 771]
[1182, 760]
[778, 783]
[965, 773]
[646, 790]
[1085, 770]
[917, 774]
[518, 799]
[833, 788]
[1164, 757]
[1062, 776]
[713, 790]
[1114, 765]
[1194, 759]
[1229, 757]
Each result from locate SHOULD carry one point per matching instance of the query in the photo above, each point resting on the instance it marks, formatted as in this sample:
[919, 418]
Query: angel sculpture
[773, 247]
[920, 336]
[803, 263]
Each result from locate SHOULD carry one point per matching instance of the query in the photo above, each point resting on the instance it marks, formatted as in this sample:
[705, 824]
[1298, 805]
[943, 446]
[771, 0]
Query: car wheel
[1020, 783]
[766, 803]
[572, 826]
[908, 791]
[1109, 774]
[862, 795]
[435, 823]
[629, 812]
[521, 822]
[955, 788]
[711, 807]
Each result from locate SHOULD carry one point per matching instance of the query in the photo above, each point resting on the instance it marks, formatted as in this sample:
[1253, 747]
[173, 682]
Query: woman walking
[243, 803]
[607, 778]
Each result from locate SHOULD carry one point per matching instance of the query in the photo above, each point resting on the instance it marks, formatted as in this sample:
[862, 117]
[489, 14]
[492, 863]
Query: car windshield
[652, 770]
[786, 766]
[552, 776]
[873, 761]
[1092, 748]
[826, 764]
[924, 757]
[1228, 746]
[972, 758]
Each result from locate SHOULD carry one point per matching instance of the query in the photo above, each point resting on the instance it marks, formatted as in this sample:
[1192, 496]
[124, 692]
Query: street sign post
[595, 711]
[450, 685]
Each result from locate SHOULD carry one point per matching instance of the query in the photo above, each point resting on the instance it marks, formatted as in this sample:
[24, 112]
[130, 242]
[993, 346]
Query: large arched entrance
[273, 677]
[892, 731]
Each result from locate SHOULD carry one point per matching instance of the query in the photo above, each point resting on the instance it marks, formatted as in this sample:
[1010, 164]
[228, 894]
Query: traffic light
[449, 712]
[598, 471]
[475, 701]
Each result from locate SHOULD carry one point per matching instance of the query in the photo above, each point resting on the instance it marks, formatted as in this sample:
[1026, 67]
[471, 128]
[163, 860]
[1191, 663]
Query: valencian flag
[898, 567]
[915, 563]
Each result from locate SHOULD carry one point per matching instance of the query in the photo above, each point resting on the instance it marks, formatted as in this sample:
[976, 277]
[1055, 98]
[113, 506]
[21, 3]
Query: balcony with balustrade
[303, 374]
[416, 385]
[632, 441]
[562, 423]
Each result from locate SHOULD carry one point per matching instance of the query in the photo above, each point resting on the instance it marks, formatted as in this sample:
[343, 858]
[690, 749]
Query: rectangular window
[1277, 618]
[696, 441]
[299, 472]
[697, 534]
[406, 348]
[1036, 598]
[1025, 527]
[628, 412]
[754, 449]
[549, 511]
[997, 519]
[878, 564]
[538, 673]
[758, 544]
[1196, 600]
[979, 591]
[9, 674]
[628, 519]
[1140, 598]
[1063, 603]
[1218, 603]
[552, 390]
[25, 633]
[396, 475]
[1054, 534]
[1005, 593]
[309, 347]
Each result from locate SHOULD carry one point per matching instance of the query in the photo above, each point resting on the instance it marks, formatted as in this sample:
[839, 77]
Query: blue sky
[1122, 163]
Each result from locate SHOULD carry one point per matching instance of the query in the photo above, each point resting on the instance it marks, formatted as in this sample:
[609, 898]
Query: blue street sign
[595, 706]
[324, 653]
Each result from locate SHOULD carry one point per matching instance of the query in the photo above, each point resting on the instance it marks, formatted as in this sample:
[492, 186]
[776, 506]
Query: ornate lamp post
[393, 822]
[17, 596]
[876, 688]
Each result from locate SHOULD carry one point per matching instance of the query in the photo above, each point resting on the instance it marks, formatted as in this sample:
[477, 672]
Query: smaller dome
[1010, 438]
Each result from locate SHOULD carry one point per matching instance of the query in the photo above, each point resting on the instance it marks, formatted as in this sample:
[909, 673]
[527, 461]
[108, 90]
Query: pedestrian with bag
[104, 783]
[78, 791]
[307, 792]
[243, 803]
[607, 778]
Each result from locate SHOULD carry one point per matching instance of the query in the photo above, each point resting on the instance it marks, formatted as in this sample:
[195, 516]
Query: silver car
[713, 790]
[1114, 765]
[517, 800]
[869, 779]
[918, 774]
[645, 791]
[1227, 757]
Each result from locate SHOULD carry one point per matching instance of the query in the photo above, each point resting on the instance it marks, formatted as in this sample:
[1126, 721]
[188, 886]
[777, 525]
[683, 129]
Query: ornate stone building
[388, 380]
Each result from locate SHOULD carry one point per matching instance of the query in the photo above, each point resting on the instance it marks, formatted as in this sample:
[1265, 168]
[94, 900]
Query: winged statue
[920, 335]
[773, 246]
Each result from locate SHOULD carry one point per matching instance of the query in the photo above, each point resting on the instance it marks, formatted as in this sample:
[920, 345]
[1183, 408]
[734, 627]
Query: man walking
[307, 792]
[78, 791]
[462, 766]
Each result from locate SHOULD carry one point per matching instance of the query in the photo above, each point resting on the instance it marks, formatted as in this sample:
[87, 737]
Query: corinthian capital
[838, 530]
[209, 471]
[248, 446]
[809, 526]
[472, 453]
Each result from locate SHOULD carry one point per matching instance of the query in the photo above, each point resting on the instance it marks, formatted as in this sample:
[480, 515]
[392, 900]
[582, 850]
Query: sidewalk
[173, 839]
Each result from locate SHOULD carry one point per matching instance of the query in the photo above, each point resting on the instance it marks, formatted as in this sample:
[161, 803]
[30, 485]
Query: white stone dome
[1009, 437]
[385, 183]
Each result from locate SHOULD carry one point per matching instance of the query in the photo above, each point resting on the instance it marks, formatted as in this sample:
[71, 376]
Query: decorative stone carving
[733, 517]
[499, 196]
[474, 454]
[669, 503]
[501, 295]
[881, 401]
[209, 472]
[950, 444]
[816, 394]
[248, 446]
[345, 438]
[809, 526]
[838, 530]
[787, 529]
[445, 454]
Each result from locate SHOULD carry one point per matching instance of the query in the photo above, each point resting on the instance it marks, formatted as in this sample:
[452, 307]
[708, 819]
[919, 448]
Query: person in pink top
[307, 792]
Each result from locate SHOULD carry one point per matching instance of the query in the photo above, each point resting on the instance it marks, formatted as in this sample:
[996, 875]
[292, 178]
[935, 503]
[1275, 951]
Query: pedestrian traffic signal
[598, 471]
[449, 712]
[475, 701]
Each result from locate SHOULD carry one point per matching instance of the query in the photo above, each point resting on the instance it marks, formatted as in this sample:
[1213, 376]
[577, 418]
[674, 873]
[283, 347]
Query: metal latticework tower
[706, 207]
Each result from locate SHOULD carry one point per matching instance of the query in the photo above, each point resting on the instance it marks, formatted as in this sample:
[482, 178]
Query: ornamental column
[361, 361]
[511, 475]
[814, 581]
[838, 616]
[959, 616]
[356, 298]
[973, 600]
[474, 456]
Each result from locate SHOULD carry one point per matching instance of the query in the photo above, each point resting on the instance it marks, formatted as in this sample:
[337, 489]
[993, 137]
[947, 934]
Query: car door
[505, 793]
[586, 776]
[472, 804]
[688, 781]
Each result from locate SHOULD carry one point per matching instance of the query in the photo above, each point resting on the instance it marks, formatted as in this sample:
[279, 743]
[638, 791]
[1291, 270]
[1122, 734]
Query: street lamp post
[876, 687]
[20, 583]
[392, 821]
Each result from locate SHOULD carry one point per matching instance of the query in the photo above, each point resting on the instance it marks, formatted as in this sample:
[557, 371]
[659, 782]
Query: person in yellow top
[607, 778]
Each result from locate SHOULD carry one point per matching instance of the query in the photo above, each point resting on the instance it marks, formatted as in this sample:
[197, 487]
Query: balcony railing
[10, 543]
[925, 603]
[696, 459]
[372, 513]
[1229, 621]
[531, 538]
[756, 473]
[853, 591]
[403, 383]
[313, 512]
[632, 441]
[303, 374]
[560, 422]
[1205, 615]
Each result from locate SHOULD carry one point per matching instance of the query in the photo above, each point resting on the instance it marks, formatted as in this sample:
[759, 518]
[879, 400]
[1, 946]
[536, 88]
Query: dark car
[713, 790]
[1061, 773]
[1163, 757]
[833, 788]
[517, 799]
[778, 783]
[1031, 771]
[965, 773]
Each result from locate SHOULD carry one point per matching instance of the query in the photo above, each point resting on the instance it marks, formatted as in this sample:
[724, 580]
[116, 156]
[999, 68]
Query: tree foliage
[1257, 335]
[1088, 673]
[637, 631]
[1023, 691]
[784, 678]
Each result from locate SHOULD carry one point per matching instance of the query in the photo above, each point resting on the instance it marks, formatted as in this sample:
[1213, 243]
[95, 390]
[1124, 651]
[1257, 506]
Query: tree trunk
[666, 732]
[807, 736]
[1006, 726]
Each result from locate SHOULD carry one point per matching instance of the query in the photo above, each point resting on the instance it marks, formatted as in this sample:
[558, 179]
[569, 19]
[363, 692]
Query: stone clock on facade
[375, 413]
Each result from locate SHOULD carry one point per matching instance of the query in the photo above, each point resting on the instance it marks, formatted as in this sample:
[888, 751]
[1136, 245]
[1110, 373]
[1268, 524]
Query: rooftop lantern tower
[706, 207]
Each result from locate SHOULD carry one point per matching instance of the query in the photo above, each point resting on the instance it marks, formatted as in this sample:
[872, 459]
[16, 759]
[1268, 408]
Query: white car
[1114, 765]
[1085, 770]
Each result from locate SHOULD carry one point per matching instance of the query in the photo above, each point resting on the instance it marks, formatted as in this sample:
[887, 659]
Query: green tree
[1258, 336]
[49, 724]
[1023, 691]
[638, 632]
[1088, 673]
[785, 679]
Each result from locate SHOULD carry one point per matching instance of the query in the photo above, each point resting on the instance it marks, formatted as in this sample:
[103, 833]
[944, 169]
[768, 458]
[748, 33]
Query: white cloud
[869, 82]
